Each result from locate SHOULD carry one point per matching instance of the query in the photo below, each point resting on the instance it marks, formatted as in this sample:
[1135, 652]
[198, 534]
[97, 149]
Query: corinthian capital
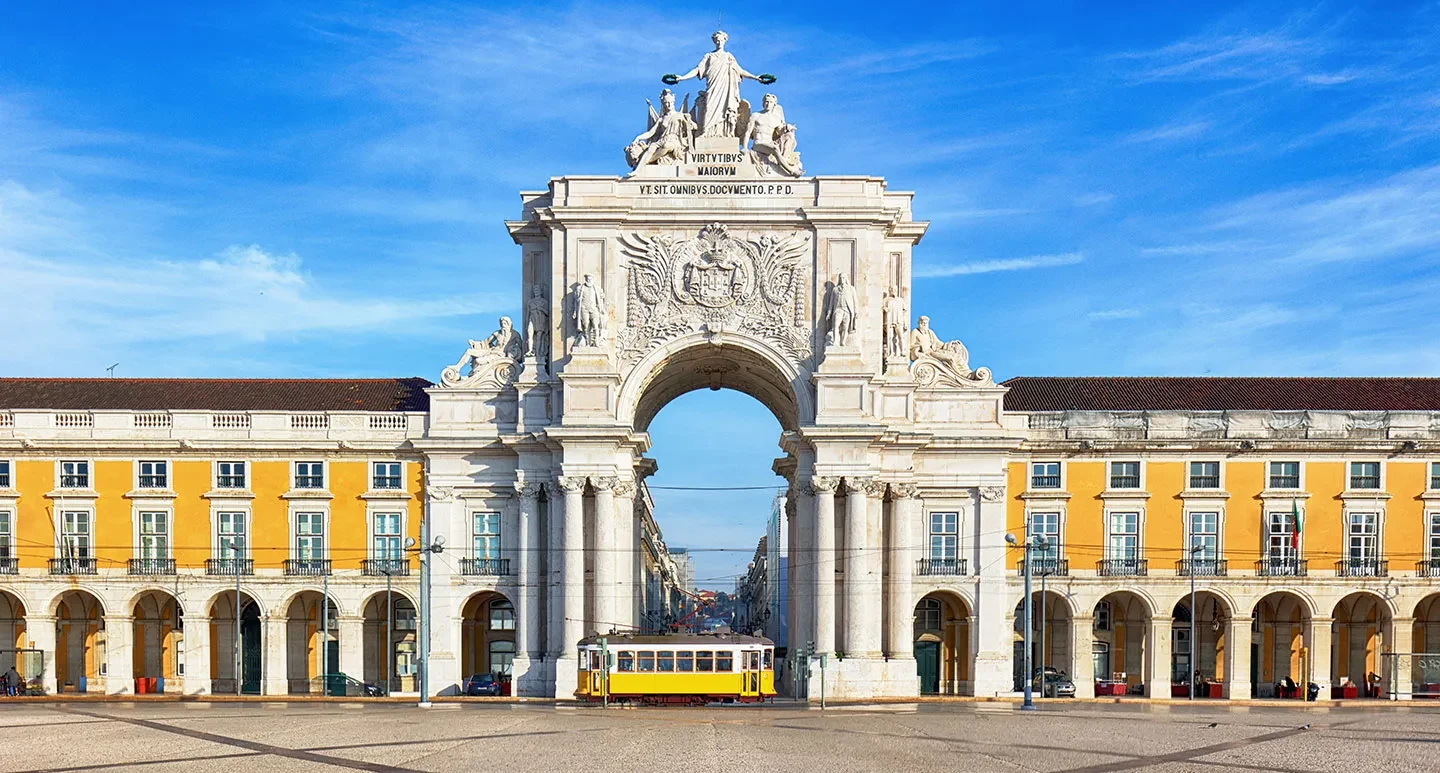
[992, 493]
[570, 483]
[822, 484]
[904, 490]
[528, 490]
[606, 483]
[625, 487]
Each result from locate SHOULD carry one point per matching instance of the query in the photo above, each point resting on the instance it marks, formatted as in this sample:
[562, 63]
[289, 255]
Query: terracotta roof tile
[202, 394]
[1206, 393]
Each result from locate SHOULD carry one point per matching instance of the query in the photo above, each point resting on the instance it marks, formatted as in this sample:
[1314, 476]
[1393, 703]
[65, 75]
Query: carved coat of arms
[715, 282]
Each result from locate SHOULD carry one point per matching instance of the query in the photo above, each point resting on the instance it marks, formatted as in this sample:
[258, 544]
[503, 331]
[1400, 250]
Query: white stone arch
[1387, 605]
[134, 598]
[678, 366]
[53, 607]
[1055, 593]
[1216, 591]
[284, 606]
[1307, 601]
[397, 592]
[964, 596]
[255, 598]
[1146, 599]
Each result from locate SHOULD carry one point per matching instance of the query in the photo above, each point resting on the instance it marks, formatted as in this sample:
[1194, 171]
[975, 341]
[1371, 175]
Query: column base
[1238, 690]
[1158, 688]
[275, 687]
[861, 678]
[994, 674]
[531, 678]
[565, 681]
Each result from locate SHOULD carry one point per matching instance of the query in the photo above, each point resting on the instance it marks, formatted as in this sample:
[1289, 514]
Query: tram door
[750, 673]
[597, 673]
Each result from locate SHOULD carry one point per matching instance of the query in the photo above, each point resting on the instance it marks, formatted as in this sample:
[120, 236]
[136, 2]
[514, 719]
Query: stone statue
[589, 312]
[722, 76]
[537, 325]
[772, 140]
[491, 361]
[896, 320]
[924, 343]
[667, 139]
[841, 313]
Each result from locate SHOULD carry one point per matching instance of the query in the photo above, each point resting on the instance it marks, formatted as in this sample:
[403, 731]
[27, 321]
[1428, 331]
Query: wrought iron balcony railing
[1056, 567]
[74, 481]
[1202, 567]
[1430, 567]
[1282, 566]
[229, 567]
[1122, 567]
[379, 567]
[307, 567]
[485, 566]
[1044, 481]
[72, 565]
[941, 567]
[1124, 481]
[9, 565]
[152, 566]
[1362, 567]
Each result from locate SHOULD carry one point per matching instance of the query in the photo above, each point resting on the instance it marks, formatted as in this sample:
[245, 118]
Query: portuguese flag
[1295, 521]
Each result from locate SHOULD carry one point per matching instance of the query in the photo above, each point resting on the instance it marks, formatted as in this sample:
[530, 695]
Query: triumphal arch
[719, 262]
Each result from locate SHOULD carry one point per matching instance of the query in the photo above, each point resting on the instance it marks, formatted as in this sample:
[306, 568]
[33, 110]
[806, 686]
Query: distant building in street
[684, 570]
[763, 591]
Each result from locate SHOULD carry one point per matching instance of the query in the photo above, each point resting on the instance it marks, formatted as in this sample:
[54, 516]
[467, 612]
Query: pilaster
[40, 630]
[900, 621]
[1320, 638]
[1404, 639]
[119, 655]
[993, 604]
[275, 668]
[1237, 658]
[1157, 651]
[823, 491]
[605, 591]
[1082, 665]
[197, 655]
[351, 633]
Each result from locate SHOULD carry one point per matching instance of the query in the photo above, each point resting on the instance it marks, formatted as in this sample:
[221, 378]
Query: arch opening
[942, 644]
[391, 618]
[235, 650]
[736, 362]
[79, 641]
[1280, 637]
[312, 651]
[487, 638]
[157, 642]
[1050, 639]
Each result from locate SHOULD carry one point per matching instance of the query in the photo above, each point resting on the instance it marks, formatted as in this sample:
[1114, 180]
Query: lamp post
[1194, 621]
[1033, 541]
[430, 547]
[235, 548]
[389, 648]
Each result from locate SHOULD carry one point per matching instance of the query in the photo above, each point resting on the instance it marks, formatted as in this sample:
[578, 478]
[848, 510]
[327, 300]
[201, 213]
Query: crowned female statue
[722, 76]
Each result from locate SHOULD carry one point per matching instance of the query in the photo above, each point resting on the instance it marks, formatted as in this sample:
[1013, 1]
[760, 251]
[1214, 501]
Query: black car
[481, 684]
[343, 685]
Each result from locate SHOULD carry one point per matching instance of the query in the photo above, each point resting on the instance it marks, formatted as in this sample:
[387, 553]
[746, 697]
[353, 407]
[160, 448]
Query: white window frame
[1285, 515]
[89, 474]
[294, 536]
[374, 519]
[1030, 475]
[377, 462]
[139, 475]
[1432, 474]
[7, 537]
[1058, 551]
[956, 547]
[1219, 475]
[1139, 475]
[1139, 534]
[497, 535]
[1350, 475]
[216, 538]
[1300, 475]
[1432, 535]
[324, 474]
[63, 532]
[245, 463]
[1219, 533]
[140, 533]
[9, 482]
[1377, 538]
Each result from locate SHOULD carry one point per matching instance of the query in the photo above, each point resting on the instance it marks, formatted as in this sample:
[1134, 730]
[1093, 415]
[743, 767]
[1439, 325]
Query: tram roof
[678, 639]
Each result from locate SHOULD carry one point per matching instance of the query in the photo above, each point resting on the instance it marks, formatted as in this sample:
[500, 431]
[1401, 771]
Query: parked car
[1056, 684]
[482, 684]
[343, 685]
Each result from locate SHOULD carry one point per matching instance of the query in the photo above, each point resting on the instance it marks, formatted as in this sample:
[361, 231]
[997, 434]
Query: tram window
[685, 661]
[596, 664]
[625, 661]
[646, 661]
[724, 661]
[704, 661]
[769, 657]
[665, 661]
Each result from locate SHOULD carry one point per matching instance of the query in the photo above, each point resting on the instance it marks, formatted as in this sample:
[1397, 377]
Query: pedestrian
[12, 682]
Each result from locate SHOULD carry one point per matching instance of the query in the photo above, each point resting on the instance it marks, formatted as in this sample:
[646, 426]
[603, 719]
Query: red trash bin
[139, 685]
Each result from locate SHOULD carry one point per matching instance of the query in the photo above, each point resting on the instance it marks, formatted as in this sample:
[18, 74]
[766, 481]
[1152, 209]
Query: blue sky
[287, 189]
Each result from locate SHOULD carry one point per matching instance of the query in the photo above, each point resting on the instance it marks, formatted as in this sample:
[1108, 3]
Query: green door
[250, 650]
[927, 665]
[335, 680]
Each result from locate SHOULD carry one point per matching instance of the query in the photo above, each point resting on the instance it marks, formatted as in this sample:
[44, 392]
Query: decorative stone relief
[588, 312]
[537, 326]
[874, 488]
[606, 483]
[992, 493]
[570, 483]
[934, 363]
[713, 283]
[493, 362]
[668, 137]
[772, 141]
[840, 312]
[528, 490]
[624, 487]
[821, 484]
[903, 490]
[442, 493]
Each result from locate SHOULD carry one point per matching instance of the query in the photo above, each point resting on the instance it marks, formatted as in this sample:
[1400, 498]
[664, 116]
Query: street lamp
[1030, 543]
[1194, 621]
[437, 545]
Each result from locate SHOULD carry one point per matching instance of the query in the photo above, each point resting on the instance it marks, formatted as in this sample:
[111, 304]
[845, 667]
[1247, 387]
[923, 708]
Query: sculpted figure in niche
[896, 320]
[589, 313]
[668, 139]
[924, 343]
[722, 76]
[537, 325]
[772, 139]
[842, 313]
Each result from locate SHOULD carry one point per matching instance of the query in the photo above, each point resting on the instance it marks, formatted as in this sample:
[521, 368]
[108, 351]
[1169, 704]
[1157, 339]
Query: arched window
[502, 615]
[928, 615]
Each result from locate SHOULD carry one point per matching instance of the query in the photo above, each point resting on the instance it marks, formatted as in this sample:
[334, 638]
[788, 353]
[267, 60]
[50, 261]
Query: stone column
[196, 655]
[350, 631]
[1319, 639]
[527, 542]
[823, 490]
[994, 606]
[901, 638]
[1082, 664]
[857, 604]
[119, 654]
[570, 610]
[604, 556]
[1237, 657]
[1403, 642]
[40, 630]
[802, 567]
[275, 668]
[627, 558]
[1157, 653]
[872, 624]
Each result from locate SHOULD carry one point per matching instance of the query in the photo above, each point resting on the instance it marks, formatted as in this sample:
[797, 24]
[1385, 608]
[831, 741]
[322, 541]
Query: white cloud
[1169, 133]
[1007, 264]
[1109, 314]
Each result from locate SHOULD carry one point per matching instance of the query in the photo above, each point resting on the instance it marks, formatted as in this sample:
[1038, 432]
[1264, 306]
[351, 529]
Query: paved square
[1073, 738]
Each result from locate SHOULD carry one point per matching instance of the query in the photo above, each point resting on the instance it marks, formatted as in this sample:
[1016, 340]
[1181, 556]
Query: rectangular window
[646, 662]
[230, 535]
[724, 661]
[385, 475]
[5, 481]
[685, 661]
[705, 661]
[1363, 543]
[1364, 475]
[1124, 536]
[1434, 537]
[230, 475]
[1280, 531]
[1204, 475]
[154, 475]
[387, 536]
[74, 475]
[944, 536]
[625, 662]
[1046, 525]
[309, 475]
[75, 534]
[1435, 475]
[404, 618]
[1045, 475]
[309, 536]
[7, 533]
[154, 535]
[1284, 475]
[1124, 475]
[665, 662]
[486, 535]
[1204, 542]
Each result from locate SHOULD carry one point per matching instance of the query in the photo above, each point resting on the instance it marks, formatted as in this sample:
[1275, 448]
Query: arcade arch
[1122, 641]
[1280, 636]
[158, 637]
[487, 635]
[393, 664]
[224, 639]
[79, 641]
[310, 650]
[942, 643]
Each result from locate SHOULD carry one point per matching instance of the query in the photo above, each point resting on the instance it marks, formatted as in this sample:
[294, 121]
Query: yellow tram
[676, 668]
